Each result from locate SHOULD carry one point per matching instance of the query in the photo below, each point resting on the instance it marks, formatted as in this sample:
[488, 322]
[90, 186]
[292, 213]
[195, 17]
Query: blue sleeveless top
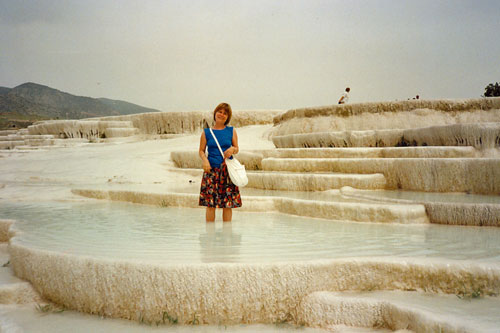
[225, 138]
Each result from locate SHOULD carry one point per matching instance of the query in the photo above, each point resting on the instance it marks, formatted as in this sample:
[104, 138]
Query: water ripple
[180, 235]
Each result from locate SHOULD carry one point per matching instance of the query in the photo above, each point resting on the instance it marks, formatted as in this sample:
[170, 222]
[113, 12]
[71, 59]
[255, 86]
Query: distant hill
[4, 91]
[30, 102]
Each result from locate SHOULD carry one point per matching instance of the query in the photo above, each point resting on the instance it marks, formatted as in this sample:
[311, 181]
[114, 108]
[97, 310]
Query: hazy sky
[255, 54]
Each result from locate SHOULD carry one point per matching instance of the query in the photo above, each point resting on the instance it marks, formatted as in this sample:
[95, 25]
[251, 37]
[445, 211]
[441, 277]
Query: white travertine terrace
[329, 309]
[191, 122]
[82, 128]
[12, 289]
[471, 175]
[380, 115]
[252, 159]
[313, 182]
[7, 132]
[455, 213]
[229, 293]
[153, 123]
[387, 152]
[411, 123]
[10, 141]
[191, 159]
[358, 212]
[464, 158]
[4, 229]
[441, 171]
[119, 132]
[428, 146]
[443, 105]
[463, 214]
[481, 135]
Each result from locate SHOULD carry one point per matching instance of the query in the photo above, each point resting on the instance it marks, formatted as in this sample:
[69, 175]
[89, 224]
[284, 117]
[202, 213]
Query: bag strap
[217, 142]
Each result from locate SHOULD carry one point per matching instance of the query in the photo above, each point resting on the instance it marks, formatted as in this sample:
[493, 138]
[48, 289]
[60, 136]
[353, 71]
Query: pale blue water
[180, 235]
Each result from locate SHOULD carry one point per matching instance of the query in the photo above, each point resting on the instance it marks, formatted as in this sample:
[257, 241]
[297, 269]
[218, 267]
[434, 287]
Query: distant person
[417, 97]
[217, 190]
[345, 96]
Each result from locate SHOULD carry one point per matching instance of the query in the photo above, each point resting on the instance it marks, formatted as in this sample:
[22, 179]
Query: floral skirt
[217, 189]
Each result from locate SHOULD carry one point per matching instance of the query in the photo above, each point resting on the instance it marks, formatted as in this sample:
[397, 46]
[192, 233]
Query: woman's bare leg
[210, 214]
[227, 214]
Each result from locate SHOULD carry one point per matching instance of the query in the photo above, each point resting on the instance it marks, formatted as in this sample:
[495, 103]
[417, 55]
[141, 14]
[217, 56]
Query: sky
[187, 55]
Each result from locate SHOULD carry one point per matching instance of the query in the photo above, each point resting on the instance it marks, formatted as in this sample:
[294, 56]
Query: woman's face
[221, 115]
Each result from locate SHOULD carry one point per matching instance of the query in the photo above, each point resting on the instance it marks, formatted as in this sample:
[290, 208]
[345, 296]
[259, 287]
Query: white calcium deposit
[385, 115]
[357, 212]
[146, 123]
[480, 135]
[432, 174]
[231, 293]
[395, 311]
[359, 150]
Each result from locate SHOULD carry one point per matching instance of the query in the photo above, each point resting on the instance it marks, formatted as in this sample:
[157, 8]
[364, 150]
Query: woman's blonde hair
[227, 107]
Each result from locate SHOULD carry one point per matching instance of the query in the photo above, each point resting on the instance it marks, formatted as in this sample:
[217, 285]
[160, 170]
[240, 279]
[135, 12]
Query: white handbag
[236, 170]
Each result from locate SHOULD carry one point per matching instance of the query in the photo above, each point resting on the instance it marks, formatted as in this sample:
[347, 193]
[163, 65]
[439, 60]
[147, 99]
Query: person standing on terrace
[217, 190]
[345, 96]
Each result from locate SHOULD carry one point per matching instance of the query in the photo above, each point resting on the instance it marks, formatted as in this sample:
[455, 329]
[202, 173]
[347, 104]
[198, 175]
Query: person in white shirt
[345, 96]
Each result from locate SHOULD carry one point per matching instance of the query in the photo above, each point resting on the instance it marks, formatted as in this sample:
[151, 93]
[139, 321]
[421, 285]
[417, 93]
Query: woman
[217, 190]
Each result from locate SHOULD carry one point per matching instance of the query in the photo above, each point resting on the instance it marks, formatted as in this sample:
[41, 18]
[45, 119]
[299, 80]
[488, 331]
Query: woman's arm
[234, 149]
[201, 152]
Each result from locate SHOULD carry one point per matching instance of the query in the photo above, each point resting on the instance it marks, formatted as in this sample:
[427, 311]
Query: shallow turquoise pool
[180, 235]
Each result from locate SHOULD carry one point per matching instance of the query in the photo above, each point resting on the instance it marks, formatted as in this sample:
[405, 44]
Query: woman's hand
[229, 152]
[206, 166]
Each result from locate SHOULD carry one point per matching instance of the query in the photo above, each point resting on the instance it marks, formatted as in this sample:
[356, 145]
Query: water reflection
[179, 235]
[219, 244]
